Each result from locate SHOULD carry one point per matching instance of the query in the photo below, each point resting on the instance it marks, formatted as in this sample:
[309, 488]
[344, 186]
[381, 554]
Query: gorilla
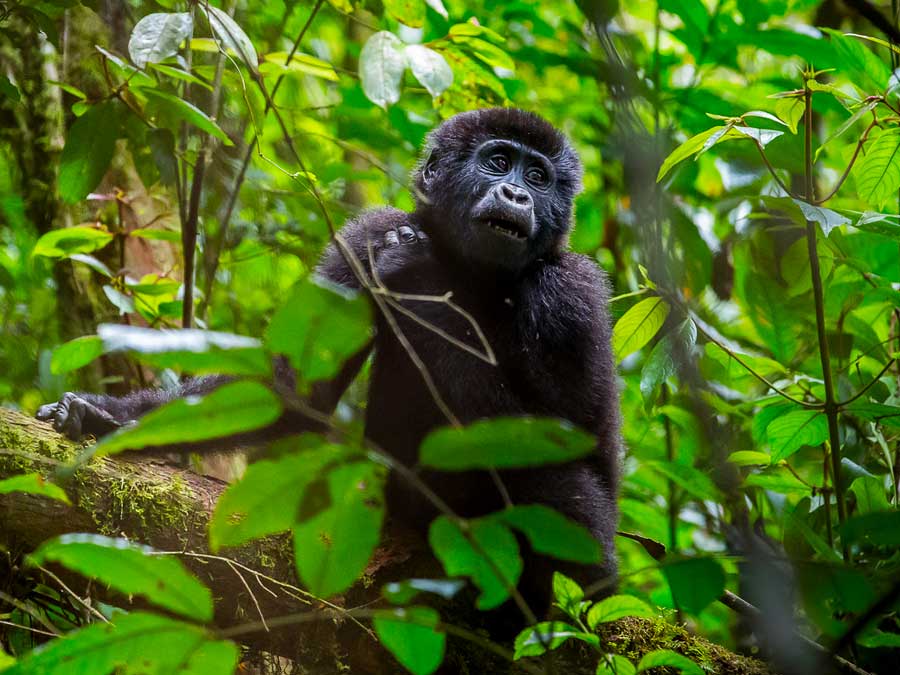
[494, 196]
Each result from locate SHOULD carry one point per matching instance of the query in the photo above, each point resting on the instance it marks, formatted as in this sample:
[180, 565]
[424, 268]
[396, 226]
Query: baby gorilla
[494, 197]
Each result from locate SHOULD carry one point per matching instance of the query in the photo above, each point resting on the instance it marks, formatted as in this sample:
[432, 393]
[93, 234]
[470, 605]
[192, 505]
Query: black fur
[542, 308]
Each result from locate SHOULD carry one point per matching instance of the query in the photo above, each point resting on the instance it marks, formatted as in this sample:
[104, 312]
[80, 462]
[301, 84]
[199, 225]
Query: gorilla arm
[80, 414]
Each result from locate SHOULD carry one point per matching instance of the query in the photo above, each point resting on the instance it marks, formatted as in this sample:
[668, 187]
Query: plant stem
[831, 407]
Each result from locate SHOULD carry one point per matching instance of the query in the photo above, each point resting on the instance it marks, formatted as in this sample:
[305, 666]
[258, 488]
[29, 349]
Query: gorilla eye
[536, 175]
[499, 162]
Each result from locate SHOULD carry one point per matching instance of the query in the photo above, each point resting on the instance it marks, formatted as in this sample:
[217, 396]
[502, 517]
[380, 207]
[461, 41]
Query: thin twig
[81, 601]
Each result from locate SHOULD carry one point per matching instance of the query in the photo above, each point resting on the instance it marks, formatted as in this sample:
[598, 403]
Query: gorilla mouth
[507, 228]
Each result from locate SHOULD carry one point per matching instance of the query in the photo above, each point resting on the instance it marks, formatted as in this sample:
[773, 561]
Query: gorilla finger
[407, 234]
[421, 235]
[71, 426]
[46, 412]
[391, 238]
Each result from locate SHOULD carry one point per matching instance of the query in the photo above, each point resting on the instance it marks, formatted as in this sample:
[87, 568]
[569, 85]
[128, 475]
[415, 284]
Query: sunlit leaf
[75, 354]
[410, 12]
[638, 326]
[188, 112]
[788, 433]
[412, 637]
[381, 65]
[33, 484]
[130, 569]
[429, 68]
[669, 659]
[65, 242]
[157, 36]
[551, 533]
[617, 607]
[547, 635]
[878, 172]
[231, 35]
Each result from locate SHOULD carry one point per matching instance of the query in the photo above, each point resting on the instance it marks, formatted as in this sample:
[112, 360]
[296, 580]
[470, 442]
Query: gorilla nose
[515, 195]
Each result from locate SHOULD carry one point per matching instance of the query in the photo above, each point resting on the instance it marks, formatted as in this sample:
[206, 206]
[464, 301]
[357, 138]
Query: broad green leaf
[616, 607]
[301, 63]
[568, 595]
[878, 172]
[547, 635]
[429, 68]
[411, 635]
[687, 149]
[156, 644]
[505, 442]
[692, 480]
[780, 481]
[667, 658]
[332, 547]
[196, 351]
[878, 528]
[791, 109]
[130, 569]
[749, 458]
[497, 551]
[267, 498]
[401, 592]
[381, 65]
[491, 54]
[638, 326]
[157, 36]
[230, 409]
[866, 70]
[763, 300]
[124, 303]
[551, 533]
[460, 31]
[89, 148]
[67, 241]
[661, 364]
[409, 12]
[33, 484]
[788, 433]
[695, 582]
[231, 35]
[870, 494]
[75, 354]
[187, 112]
[615, 664]
[319, 328]
[692, 13]
[826, 218]
[880, 413]
[761, 136]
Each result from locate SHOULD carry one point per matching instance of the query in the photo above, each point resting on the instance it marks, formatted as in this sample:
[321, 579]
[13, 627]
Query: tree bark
[169, 508]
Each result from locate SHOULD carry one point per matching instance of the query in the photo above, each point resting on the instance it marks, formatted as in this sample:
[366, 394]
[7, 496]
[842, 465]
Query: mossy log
[168, 508]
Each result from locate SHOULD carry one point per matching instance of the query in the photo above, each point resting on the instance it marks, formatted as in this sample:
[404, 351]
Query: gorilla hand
[75, 417]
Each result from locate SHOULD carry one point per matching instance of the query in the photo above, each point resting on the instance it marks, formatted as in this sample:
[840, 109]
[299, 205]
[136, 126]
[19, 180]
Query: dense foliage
[742, 186]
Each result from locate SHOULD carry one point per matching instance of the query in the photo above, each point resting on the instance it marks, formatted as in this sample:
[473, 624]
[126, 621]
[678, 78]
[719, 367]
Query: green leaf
[497, 550]
[695, 582]
[430, 69]
[130, 569]
[638, 326]
[692, 480]
[411, 635]
[300, 63]
[93, 263]
[615, 664]
[381, 65]
[157, 36]
[33, 484]
[547, 635]
[780, 481]
[505, 442]
[319, 328]
[124, 303]
[230, 409]
[791, 109]
[551, 533]
[75, 354]
[267, 498]
[667, 658]
[191, 349]
[878, 528]
[661, 364]
[761, 136]
[71, 240]
[231, 35]
[332, 547]
[866, 70]
[401, 592]
[617, 607]
[826, 218]
[179, 74]
[409, 12]
[689, 148]
[878, 174]
[10, 91]
[870, 494]
[568, 595]
[749, 458]
[89, 150]
[790, 432]
[880, 413]
[147, 643]
[187, 112]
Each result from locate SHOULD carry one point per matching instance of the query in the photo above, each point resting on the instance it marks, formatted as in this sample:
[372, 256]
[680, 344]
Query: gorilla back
[494, 199]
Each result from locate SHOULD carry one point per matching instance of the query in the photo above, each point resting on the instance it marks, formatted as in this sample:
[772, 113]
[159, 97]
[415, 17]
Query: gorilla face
[496, 191]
